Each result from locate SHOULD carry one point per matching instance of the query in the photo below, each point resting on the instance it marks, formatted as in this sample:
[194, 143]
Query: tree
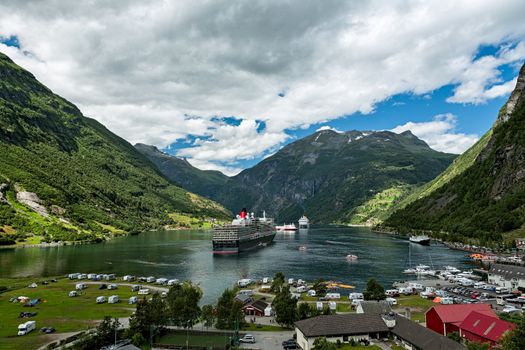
[323, 344]
[319, 287]
[285, 307]
[106, 331]
[208, 315]
[303, 311]
[455, 337]
[229, 311]
[183, 304]
[374, 291]
[278, 282]
[148, 314]
[478, 346]
[515, 340]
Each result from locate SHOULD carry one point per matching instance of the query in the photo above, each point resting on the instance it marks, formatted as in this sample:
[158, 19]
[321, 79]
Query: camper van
[113, 299]
[333, 296]
[332, 305]
[173, 282]
[319, 305]
[27, 327]
[80, 286]
[133, 300]
[73, 293]
[150, 279]
[101, 300]
[161, 281]
[144, 291]
[353, 296]
[301, 289]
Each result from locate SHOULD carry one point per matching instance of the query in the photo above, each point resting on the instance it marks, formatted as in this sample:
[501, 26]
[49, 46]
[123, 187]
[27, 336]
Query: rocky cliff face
[486, 200]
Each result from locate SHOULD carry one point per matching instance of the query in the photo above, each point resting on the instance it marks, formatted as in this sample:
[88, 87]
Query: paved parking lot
[268, 340]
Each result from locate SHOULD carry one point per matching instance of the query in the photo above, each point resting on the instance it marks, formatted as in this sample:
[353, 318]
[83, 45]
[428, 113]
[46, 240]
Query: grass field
[417, 305]
[57, 310]
[204, 340]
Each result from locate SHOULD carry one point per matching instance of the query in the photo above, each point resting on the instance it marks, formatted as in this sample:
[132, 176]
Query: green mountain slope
[180, 171]
[352, 177]
[482, 197]
[66, 177]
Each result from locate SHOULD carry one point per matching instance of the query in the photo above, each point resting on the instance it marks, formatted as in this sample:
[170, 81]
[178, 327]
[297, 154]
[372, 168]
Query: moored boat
[286, 227]
[304, 222]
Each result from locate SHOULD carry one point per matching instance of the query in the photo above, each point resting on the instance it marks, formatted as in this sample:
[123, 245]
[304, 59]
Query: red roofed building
[482, 328]
[445, 319]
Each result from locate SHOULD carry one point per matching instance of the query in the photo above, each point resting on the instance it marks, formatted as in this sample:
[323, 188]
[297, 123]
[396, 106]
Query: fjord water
[187, 255]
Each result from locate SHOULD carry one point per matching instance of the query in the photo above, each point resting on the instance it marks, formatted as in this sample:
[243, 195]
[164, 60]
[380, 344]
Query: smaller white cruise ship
[304, 222]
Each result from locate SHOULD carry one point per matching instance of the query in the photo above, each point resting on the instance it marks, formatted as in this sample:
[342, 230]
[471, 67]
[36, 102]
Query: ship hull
[421, 241]
[240, 246]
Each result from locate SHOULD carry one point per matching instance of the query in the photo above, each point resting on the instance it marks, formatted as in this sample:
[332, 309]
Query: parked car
[47, 330]
[103, 286]
[290, 344]
[248, 338]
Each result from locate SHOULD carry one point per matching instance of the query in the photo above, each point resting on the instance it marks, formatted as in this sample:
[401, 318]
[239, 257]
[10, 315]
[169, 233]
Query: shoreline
[109, 238]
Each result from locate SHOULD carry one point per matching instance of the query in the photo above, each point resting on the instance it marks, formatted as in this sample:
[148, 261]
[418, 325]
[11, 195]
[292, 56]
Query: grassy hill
[481, 197]
[66, 177]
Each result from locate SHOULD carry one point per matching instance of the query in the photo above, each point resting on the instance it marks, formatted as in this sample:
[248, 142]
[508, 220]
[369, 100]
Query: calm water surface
[186, 255]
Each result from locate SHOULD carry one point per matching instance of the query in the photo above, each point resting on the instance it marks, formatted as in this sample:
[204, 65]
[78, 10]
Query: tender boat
[351, 257]
[286, 227]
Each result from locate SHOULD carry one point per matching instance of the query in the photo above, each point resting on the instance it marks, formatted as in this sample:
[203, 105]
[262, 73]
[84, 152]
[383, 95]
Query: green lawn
[204, 340]
[58, 310]
[417, 305]
[359, 347]
[263, 328]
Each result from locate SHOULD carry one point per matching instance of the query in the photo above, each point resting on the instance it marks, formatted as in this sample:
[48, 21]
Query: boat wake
[143, 262]
[338, 243]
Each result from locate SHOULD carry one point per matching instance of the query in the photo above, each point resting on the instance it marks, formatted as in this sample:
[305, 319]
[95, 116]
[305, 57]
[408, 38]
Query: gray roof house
[368, 326]
[373, 307]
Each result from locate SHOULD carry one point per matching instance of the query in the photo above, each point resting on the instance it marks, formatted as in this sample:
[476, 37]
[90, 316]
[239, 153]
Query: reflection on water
[187, 255]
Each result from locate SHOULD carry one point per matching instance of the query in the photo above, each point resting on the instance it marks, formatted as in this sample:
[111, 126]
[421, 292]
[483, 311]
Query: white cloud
[440, 133]
[142, 67]
[481, 80]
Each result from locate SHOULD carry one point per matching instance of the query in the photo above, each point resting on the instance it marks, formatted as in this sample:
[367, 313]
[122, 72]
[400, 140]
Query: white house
[508, 276]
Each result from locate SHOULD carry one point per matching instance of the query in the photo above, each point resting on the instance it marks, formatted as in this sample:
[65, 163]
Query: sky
[227, 83]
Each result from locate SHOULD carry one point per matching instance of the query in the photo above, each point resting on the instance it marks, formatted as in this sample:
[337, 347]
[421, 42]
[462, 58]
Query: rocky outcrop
[3, 187]
[32, 201]
[515, 98]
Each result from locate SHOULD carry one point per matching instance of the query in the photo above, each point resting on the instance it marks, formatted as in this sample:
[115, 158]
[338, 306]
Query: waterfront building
[508, 276]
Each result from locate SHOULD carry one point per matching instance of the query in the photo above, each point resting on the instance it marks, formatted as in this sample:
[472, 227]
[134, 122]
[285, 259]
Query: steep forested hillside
[484, 200]
[66, 177]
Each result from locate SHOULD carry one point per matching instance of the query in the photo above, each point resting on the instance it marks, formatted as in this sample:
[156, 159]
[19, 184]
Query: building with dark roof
[243, 298]
[481, 328]
[414, 336]
[339, 327]
[445, 319]
[255, 308]
[358, 327]
[373, 307]
[508, 276]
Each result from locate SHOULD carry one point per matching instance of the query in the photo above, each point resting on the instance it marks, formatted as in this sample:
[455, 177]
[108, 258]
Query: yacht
[420, 239]
[304, 222]
[286, 227]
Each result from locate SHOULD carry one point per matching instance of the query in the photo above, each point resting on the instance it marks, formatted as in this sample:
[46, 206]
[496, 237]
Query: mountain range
[346, 177]
[481, 196]
[64, 176]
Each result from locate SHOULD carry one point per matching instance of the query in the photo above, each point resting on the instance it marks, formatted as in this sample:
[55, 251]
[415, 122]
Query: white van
[101, 300]
[502, 290]
[133, 300]
[73, 293]
[27, 327]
